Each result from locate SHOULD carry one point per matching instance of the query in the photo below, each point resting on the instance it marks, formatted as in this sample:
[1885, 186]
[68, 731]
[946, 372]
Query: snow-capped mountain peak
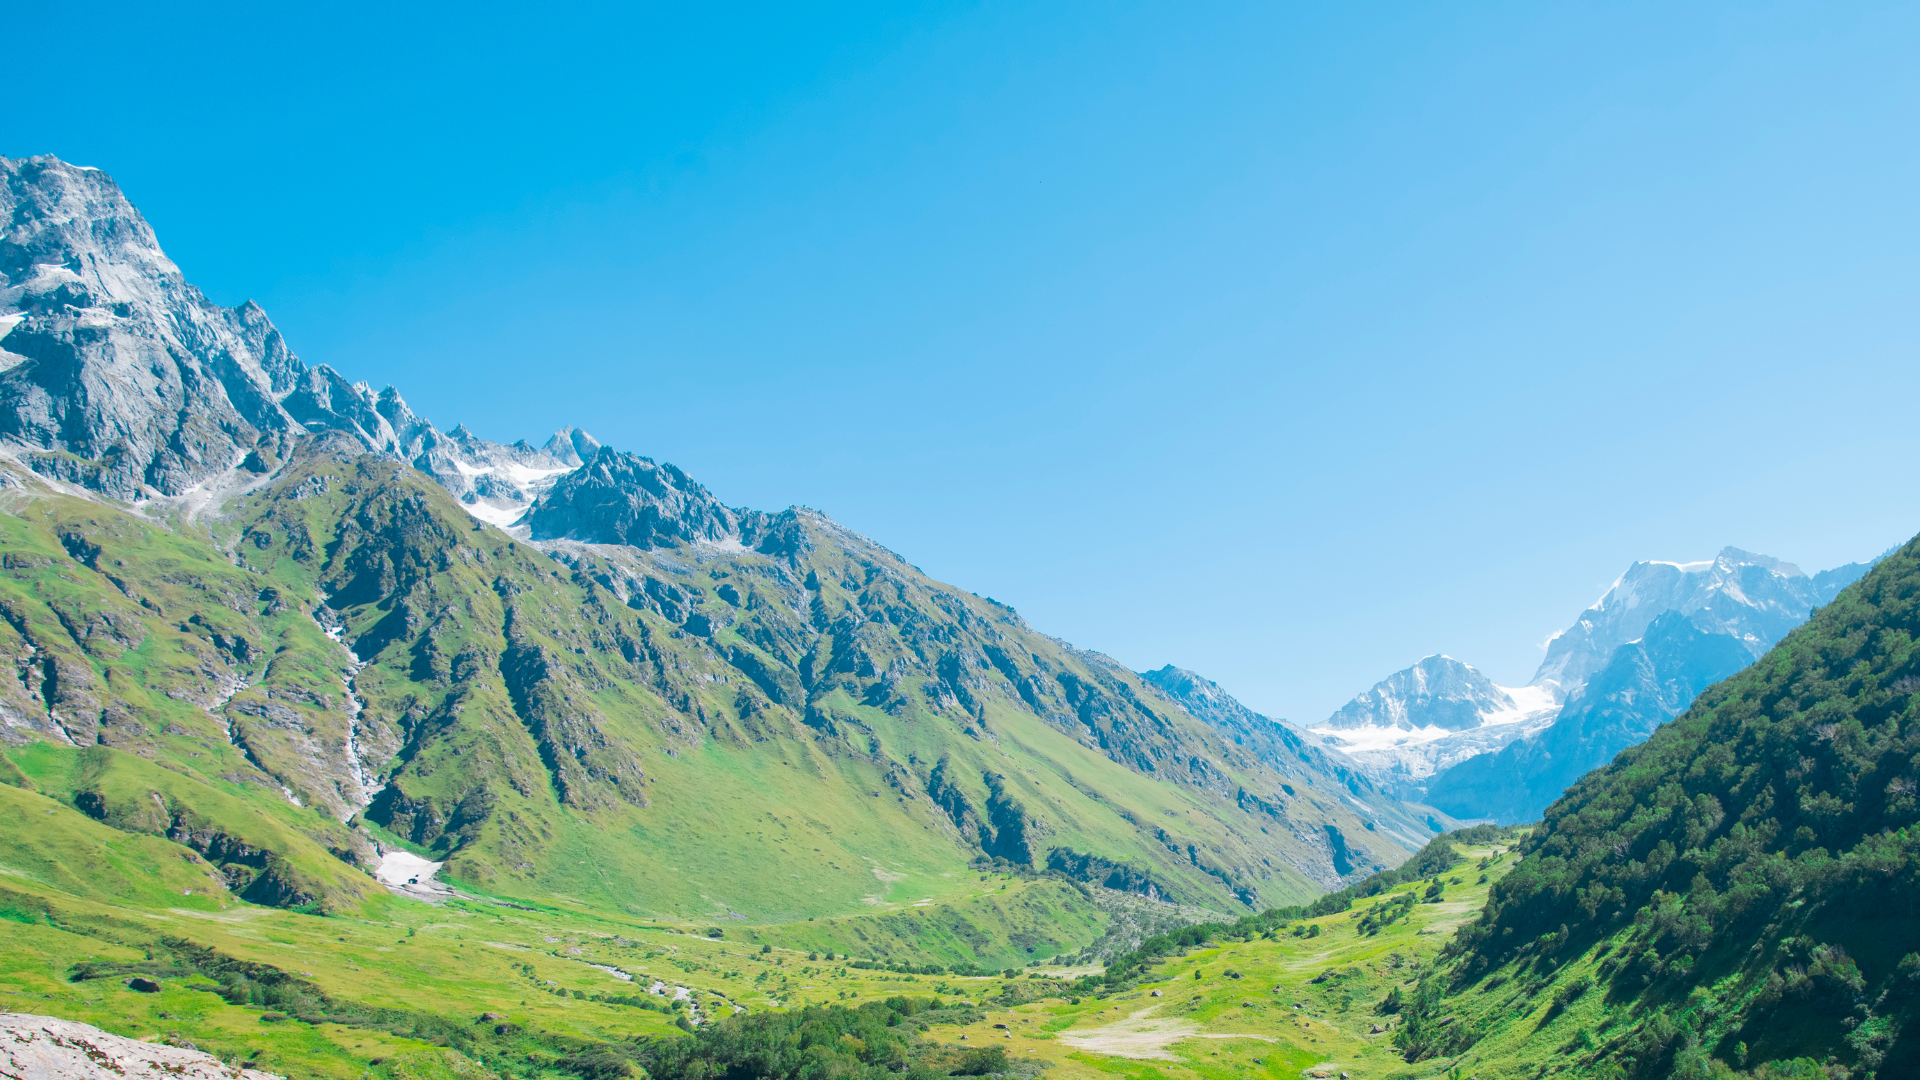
[1755, 598]
[1436, 712]
[1438, 691]
[1439, 712]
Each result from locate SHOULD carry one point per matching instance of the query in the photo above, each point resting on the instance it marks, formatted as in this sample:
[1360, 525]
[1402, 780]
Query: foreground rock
[43, 1048]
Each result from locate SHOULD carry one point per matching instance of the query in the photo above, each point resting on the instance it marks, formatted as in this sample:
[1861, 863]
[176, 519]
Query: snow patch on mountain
[1528, 703]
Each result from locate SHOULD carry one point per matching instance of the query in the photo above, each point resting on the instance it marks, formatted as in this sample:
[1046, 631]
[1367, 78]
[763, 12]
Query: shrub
[981, 1062]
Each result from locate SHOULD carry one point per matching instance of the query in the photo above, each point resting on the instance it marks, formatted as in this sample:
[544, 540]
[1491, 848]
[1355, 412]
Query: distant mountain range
[1442, 742]
[1442, 733]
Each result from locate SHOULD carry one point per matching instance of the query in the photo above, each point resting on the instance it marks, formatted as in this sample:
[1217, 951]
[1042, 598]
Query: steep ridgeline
[1667, 631]
[1753, 598]
[1442, 732]
[254, 607]
[118, 376]
[1737, 890]
[1292, 753]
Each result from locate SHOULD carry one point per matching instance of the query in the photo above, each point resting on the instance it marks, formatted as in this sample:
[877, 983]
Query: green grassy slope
[1736, 894]
[806, 728]
[813, 750]
[123, 638]
[59, 850]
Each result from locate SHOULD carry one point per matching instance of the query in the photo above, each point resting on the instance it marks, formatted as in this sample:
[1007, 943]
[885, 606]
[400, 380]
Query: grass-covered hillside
[1735, 896]
[806, 728]
[401, 988]
[641, 699]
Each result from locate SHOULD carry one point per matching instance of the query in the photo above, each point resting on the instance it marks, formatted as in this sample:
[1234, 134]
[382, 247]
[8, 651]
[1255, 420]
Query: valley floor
[475, 988]
[1288, 1006]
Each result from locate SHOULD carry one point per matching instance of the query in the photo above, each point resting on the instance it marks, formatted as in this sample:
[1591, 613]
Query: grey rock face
[119, 376]
[133, 380]
[619, 498]
[44, 1046]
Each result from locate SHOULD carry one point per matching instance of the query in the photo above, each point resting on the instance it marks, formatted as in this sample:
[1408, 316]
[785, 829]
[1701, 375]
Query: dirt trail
[1140, 1035]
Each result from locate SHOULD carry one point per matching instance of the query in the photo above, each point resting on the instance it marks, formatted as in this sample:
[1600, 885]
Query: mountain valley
[335, 745]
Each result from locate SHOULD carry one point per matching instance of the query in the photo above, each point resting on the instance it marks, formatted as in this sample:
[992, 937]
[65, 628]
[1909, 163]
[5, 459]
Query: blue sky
[1288, 343]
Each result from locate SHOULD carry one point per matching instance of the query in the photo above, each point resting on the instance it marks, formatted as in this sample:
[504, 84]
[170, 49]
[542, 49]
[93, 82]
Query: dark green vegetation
[876, 1039]
[1437, 858]
[1742, 889]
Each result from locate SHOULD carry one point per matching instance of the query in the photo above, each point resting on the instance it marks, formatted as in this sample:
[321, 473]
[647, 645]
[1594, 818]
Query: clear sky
[1284, 342]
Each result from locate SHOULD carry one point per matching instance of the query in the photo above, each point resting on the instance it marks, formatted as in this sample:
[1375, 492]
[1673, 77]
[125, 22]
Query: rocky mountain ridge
[1755, 598]
[120, 377]
[516, 657]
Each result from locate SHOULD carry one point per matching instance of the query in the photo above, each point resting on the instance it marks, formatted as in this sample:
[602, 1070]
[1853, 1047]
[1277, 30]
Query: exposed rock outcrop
[46, 1048]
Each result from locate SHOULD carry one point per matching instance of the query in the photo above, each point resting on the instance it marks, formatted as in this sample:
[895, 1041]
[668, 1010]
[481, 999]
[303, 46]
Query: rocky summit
[1755, 599]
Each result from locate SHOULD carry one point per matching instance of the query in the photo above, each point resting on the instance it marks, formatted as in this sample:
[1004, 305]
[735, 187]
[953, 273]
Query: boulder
[45, 1046]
